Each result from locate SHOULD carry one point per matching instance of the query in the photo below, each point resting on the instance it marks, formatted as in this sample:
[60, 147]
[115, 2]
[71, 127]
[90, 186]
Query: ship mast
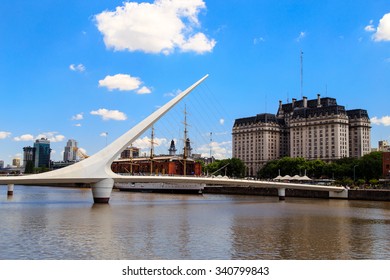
[151, 150]
[131, 159]
[185, 151]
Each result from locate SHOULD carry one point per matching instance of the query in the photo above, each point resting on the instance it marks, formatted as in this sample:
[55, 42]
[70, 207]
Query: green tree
[232, 167]
[236, 168]
[269, 170]
[29, 169]
[366, 168]
[212, 167]
[370, 166]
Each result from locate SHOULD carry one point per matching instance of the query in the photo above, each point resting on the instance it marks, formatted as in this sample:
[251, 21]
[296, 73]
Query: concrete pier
[282, 193]
[335, 194]
[10, 191]
[101, 190]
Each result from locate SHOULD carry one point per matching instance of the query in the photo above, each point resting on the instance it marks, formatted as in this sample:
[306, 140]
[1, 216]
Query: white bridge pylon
[96, 169]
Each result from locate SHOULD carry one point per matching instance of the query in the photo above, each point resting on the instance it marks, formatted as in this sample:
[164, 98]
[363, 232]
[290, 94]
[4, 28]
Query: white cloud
[301, 36]
[145, 143]
[144, 90]
[198, 43]
[219, 150]
[173, 94]
[4, 134]
[383, 31]
[258, 40]
[24, 137]
[78, 125]
[110, 114]
[381, 121]
[221, 121]
[122, 82]
[77, 68]
[84, 151]
[51, 136]
[158, 27]
[78, 117]
[370, 27]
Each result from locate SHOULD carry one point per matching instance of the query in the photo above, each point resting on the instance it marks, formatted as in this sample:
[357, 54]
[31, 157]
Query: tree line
[346, 171]
[350, 170]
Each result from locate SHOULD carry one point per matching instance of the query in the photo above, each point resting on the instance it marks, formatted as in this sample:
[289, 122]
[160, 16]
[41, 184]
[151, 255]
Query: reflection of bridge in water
[96, 169]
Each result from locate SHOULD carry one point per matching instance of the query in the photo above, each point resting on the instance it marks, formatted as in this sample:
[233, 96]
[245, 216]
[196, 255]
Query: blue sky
[90, 70]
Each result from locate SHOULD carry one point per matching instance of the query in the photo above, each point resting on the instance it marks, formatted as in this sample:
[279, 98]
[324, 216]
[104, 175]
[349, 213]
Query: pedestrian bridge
[96, 169]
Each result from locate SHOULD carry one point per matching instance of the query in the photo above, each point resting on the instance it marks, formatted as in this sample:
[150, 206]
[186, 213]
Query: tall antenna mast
[211, 141]
[301, 74]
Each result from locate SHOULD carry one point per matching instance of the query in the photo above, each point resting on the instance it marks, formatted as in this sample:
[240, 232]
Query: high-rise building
[70, 150]
[28, 155]
[42, 153]
[16, 162]
[312, 129]
[1, 164]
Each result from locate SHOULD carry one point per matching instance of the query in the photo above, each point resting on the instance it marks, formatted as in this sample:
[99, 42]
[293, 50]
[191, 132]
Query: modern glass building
[42, 153]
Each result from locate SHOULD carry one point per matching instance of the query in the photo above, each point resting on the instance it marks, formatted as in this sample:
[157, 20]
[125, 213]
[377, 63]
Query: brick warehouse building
[164, 165]
[386, 164]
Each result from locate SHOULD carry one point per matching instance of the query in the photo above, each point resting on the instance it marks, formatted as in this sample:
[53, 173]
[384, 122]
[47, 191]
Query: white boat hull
[160, 187]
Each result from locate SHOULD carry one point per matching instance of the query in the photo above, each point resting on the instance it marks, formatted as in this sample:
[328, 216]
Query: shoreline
[372, 194]
[353, 194]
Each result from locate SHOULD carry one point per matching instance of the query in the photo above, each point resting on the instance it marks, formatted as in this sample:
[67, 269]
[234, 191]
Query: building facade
[383, 146]
[42, 153]
[16, 162]
[312, 129]
[185, 164]
[130, 152]
[386, 164]
[70, 150]
[28, 155]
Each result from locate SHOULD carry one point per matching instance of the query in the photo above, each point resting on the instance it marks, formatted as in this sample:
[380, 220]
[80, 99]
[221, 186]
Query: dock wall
[379, 195]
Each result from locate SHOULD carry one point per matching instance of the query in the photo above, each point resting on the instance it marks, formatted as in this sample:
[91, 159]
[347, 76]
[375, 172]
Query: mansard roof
[259, 118]
[303, 109]
[357, 113]
[318, 111]
[312, 103]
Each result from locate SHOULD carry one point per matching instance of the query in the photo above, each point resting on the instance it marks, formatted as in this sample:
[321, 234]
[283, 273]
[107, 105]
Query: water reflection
[63, 223]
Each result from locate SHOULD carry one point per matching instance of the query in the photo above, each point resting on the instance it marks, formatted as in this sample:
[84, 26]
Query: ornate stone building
[312, 129]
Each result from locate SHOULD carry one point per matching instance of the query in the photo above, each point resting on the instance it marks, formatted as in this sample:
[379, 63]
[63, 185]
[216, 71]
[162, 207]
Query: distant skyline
[90, 70]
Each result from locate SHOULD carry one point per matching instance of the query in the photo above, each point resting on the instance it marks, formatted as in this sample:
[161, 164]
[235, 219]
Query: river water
[63, 223]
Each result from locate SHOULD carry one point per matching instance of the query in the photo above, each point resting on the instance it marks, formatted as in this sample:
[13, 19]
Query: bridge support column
[10, 189]
[101, 190]
[282, 193]
[343, 194]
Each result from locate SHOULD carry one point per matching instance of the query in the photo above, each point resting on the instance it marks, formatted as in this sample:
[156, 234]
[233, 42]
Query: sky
[90, 70]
